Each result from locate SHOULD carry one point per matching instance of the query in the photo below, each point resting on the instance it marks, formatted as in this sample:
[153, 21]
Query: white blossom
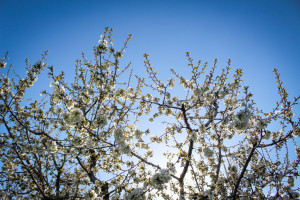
[262, 123]
[160, 178]
[171, 83]
[66, 118]
[193, 135]
[70, 104]
[154, 138]
[119, 137]
[202, 129]
[241, 120]
[52, 147]
[78, 141]
[231, 101]
[90, 195]
[135, 194]
[100, 121]
[208, 152]
[197, 92]
[125, 148]
[130, 91]
[168, 112]
[138, 134]
[75, 115]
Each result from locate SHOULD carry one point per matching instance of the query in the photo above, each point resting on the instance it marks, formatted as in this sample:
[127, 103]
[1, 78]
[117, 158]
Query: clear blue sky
[257, 35]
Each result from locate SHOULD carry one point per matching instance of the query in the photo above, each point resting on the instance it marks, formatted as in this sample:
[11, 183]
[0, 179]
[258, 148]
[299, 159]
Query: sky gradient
[256, 35]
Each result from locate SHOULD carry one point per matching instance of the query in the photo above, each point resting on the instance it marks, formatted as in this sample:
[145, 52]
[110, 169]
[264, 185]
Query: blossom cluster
[74, 116]
[135, 194]
[241, 120]
[58, 94]
[90, 128]
[100, 120]
[120, 140]
[52, 147]
[208, 152]
[160, 178]
[90, 195]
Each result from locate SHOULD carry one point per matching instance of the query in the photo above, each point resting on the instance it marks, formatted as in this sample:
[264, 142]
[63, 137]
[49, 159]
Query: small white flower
[90, 195]
[208, 152]
[168, 112]
[197, 92]
[138, 134]
[118, 133]
[262, 123]
[167, 95]
[241, 121]
[125, 148]
[66, 118]
[230, 101]
[75, 115]
[130, 91]
[100, 121]
[171, 83]
[291, 180]
[172, 169]
[154, 138]
[51, 146]
[277, 112]
[78, 141]
[160, 178]
[202, 129]
[135, 194]
[193, 135]
[70, 104]
[296, 131]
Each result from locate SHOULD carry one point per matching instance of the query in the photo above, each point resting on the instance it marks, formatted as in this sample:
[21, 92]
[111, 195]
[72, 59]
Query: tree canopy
[88, 139]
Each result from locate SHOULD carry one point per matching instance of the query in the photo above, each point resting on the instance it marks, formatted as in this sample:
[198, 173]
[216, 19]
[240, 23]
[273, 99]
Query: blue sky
[256, 35]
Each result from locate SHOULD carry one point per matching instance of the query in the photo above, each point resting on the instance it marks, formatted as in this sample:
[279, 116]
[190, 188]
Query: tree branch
[236, 187]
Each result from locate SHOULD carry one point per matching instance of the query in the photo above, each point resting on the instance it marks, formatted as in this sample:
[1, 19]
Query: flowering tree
[83, 140]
